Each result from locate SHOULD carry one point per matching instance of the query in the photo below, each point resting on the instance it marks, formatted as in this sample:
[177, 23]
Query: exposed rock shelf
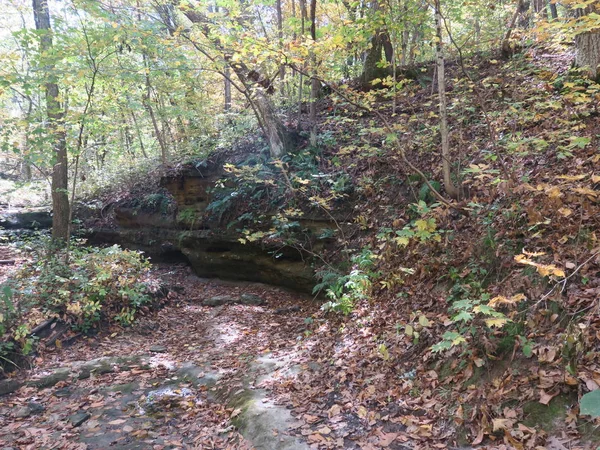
[185, 230]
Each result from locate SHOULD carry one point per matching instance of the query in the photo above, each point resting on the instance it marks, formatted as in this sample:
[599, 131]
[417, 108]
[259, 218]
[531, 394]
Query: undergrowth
[84, 288]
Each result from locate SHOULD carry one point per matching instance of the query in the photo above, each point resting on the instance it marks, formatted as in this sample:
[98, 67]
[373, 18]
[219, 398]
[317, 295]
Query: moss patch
[548, 417]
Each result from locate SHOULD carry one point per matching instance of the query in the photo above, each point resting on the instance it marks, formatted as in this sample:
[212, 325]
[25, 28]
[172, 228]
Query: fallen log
[6, 262]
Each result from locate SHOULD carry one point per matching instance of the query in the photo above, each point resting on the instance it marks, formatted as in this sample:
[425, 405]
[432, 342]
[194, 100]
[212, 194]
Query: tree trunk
[147, 103]
[588, 53]
[553, 10]
[280, 37]
[314, 86]
[588, 46]
[276, 133]
[441, 79]
[524, 13]
[371, 69]
[506, 48]
[227, 89]
[59, 183]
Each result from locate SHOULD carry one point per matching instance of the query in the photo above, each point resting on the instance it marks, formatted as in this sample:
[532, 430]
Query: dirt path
[178, 379]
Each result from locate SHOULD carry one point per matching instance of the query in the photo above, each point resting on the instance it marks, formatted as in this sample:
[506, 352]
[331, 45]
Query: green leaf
[590, 404]
[465, 316]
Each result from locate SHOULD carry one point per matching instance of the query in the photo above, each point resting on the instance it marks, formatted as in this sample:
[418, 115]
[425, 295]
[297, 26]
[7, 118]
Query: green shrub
[91, 286]
[345, 290]
[96, 284]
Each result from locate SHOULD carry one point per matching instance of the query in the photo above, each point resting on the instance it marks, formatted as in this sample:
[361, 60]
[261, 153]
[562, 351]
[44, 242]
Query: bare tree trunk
[139, 135]
[553, 10]
[505, 48]
[280, 37]
[59, 183]
[413, 46]
[147, 103]
[588, 53]
[227, 89]
[277, 135]
[441, 81]
[314, 86]
[303, 19]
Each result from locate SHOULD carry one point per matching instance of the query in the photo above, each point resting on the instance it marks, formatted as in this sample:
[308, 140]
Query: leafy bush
[96, 284]
[345, 290]
[89, 286]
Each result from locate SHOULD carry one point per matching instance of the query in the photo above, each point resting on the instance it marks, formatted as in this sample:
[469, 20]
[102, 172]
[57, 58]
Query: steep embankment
[475, 324]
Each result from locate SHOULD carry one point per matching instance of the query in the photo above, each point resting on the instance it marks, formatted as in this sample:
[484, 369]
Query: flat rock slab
[244, 299]
[158, 349]
[79, 370]
[29, 219]
[78, 419]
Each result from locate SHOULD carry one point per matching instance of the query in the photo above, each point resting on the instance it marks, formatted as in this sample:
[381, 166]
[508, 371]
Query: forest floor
[182, 377]
[162, 383]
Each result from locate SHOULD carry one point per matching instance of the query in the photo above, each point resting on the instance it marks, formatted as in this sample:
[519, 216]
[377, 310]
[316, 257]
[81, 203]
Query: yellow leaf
[421, 225]
[586, 191]
[496, 322]
[572, 177]
[501, 300]
[565, 212]
[553, 192]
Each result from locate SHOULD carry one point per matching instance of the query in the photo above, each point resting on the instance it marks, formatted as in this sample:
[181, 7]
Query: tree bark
[314, 86]
[505, 48]
[147, 103]
[59, 183]
[441, 79]
[553, 10]
[588, 47]
[280, 37]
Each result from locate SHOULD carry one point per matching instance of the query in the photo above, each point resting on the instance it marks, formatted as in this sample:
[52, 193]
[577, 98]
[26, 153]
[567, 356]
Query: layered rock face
[186, 231]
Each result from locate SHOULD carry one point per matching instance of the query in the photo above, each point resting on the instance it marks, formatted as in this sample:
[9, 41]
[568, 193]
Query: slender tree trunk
[553, 10]
[441, 79]
[59, 183]
[227, 89]
[413, 46]
[505, 48]
[314, 86]
[147, 103]
[139, 135]
[303, 19]
[280, 37]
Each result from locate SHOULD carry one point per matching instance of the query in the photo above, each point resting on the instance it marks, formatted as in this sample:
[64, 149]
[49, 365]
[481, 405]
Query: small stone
[22, 412]
[62, 392]
[158, 349]
[287, 310]
[79, 418]
[219, 300]
[251, 299]
[29, 409]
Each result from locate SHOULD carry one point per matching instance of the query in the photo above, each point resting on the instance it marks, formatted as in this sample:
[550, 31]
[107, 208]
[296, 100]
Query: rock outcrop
[176, 225]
